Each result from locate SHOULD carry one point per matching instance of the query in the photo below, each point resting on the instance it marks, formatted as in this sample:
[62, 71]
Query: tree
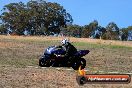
[92, 27]
[112, 32]
[91, 30]
[15, 17]
[86, 31]
[48, 16]
[73, 30]
[38, 17]
[3, 29]
[99, 32]
[126, 33]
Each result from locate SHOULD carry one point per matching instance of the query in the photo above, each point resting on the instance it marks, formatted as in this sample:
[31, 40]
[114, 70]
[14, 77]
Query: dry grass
[12, 77]
[72, 39]
[18, 52]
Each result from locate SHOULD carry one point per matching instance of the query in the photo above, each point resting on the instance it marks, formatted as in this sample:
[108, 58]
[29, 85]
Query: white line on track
[101, 71]
[58, 68]
[129, 73]
[113, 72]
[70, 69]
[30, 66]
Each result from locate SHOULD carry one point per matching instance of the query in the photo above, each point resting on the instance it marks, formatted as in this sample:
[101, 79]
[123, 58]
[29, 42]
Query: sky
[85, 11]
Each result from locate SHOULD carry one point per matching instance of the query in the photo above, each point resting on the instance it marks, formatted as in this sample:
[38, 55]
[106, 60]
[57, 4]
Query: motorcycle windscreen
[49, 50]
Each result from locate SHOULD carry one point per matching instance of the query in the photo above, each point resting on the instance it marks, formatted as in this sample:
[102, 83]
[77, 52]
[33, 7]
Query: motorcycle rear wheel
[81, 62]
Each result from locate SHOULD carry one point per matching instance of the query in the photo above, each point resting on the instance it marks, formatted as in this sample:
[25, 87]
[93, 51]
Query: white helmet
[64, 41]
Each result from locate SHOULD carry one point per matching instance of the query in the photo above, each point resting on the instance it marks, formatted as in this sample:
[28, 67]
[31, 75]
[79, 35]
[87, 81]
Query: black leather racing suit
[70, 50]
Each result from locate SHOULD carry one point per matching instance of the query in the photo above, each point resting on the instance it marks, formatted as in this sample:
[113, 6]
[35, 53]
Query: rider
[69, 48]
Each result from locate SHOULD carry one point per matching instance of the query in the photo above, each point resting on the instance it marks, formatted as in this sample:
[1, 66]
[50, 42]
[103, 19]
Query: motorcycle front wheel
[43, 62]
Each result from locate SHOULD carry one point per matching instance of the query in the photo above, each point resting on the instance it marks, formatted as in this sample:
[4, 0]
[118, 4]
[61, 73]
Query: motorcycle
[54, 56]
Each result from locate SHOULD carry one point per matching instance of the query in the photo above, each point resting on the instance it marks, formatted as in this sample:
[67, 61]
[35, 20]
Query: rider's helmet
[64, 41]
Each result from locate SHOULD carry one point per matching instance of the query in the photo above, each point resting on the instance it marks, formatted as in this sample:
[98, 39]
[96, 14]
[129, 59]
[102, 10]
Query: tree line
[94, 30]
[46, 18]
